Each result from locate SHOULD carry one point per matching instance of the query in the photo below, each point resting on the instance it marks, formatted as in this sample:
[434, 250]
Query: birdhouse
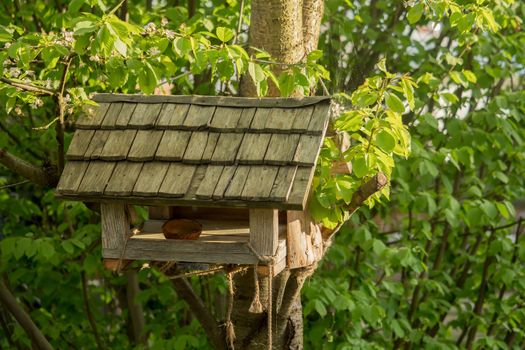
[240, 168]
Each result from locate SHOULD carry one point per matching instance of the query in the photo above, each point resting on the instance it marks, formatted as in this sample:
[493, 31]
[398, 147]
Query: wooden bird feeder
[241, 167]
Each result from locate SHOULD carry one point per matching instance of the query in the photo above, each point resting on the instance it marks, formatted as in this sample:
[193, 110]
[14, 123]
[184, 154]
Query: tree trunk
[288, 30]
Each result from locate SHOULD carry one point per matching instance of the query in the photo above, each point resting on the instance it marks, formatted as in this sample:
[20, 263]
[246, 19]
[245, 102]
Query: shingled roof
[196, 150]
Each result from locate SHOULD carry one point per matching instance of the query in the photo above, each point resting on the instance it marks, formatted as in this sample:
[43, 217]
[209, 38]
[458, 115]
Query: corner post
[115, 226]
[264, 230]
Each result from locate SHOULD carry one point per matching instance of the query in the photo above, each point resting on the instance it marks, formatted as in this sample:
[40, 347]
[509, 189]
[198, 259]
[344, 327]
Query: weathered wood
[253, 148]
[280, 120]
[150, 178]
[259, 119]
[301, 185]
[245, 120]
[195, 148]
[123, 179]
[281, 149]
[111, 116]
[177, 180]
[172, 145]
[211, 143]
[214, 100]
[212, 230]
[172, 116]
[236, 185]
[198, 117]
[303, 240]
[145, 115]
[319, 119]
[125, 115]
[79, 144]
[93, 116]
[264, 231]
[96, 178]
[259, 182]
[283, 184]
[145, 145]
[307, 150]
[114, 226]
[226, 149]
[225, 119]
[209, 183]
[280, 259]
[71, 177]
[96, 144]
[224, 181]
[196, 180]
[302, 119]
[117, 144]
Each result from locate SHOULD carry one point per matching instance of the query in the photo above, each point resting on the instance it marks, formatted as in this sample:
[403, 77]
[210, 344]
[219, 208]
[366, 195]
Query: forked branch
[39, 175]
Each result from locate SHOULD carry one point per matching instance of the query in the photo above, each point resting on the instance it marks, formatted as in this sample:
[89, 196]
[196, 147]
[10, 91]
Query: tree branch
[209, 324]
[9, 301]
[28, 87]
[135, 310]
[43, 176]
[89, 314]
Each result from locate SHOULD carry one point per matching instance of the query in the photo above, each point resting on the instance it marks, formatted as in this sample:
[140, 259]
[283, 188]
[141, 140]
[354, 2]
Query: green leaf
[408, 90]
[224, 34]
[84, 27]
[286, 84]
[360, 167]
[385, 141]
[256, 72]
[147, 78]
[394, 103]
[415, 13]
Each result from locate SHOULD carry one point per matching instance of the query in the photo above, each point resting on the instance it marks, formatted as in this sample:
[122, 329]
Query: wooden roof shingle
[196, 150]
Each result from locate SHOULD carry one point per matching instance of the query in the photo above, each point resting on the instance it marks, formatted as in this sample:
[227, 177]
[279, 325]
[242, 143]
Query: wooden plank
[304, 241]
[301, 186]
[280, 120]
[259, 182]
[281, 149]
[236, 185]
[307, 150]
[283, 184]
[96, 178]
[195, 182]
[214, 100]
[211, 143]
[245, 120]
[114, 226]
[253, 148]
[172, 116]
[209, 182]
[227, 148]
[111, 116]
[150, 179]
[93, 116]
[125, 115]
[224, 181]
[264, 231]
[71, 177]
[198, 117]
[225, 118]
[123, 179]
[302, 119]
[117, 145]
[280, 259]
[319, 119]
[145, 145]
[79, 144]
[96, 145]
[145, 115]
[172, 145]
[195, 148]
[177, 180]
[260, 119]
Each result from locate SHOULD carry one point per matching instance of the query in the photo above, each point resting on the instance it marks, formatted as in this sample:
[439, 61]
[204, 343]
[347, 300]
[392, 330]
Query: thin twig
[28, 87]
[89, 314]
[14, 185]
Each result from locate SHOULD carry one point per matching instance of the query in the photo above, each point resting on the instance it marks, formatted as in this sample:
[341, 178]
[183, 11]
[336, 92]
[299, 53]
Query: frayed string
[256, 306]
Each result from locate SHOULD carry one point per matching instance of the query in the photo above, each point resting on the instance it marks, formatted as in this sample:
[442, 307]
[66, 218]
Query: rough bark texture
[288, 30]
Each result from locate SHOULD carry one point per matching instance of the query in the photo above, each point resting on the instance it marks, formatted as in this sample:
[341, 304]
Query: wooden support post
[264, 230]
[304, 243]
[115, 230]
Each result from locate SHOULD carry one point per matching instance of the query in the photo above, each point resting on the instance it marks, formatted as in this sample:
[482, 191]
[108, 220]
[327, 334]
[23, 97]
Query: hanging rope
[256, 306]
[230, 331]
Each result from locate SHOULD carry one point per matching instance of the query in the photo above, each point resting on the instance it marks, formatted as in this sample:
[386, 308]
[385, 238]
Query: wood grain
[225, 118]
[301, 185]
[125, 115]
[283, 184]
[114, 226]
[264, 231]
[307, 150]
[319, 119]
[71, 177]
[302, 119]
[172, 145]
[253, 148]
[209, 182]
[211, 143]
[280, 120]
[236, 185]
[145, 115]
[172, 116]
[111, 116]
[195, 148]
[96, 145]
[226, 149]
[117, 145]
[224, 181]
[79, 144]
[150, 179]
[304, 241]
[281, 149]
[93, 116]
[245, 120]
[177, 180]
[145, 145]
[198, 117]
[96, 178]
[259, 182]
[123, 179]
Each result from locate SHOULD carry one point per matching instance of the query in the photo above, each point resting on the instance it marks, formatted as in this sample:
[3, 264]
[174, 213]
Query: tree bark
[43, 176]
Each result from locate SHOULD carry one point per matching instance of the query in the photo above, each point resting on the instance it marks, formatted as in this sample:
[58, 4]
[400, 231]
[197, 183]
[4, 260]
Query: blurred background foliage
[438, 266]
